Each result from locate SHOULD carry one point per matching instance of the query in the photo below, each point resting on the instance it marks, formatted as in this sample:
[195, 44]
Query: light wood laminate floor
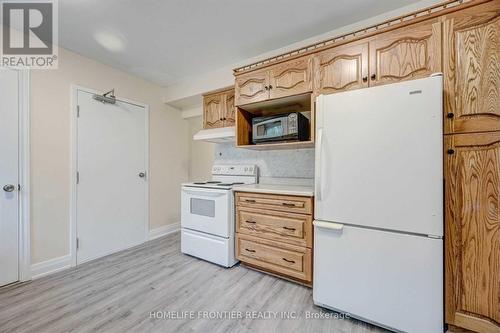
[118, 293]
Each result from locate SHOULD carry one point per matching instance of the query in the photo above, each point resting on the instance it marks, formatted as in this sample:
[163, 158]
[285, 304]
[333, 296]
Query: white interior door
[112, 194]
[9, 177]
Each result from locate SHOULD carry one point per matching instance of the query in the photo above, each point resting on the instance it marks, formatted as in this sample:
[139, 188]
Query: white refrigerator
[378, 247]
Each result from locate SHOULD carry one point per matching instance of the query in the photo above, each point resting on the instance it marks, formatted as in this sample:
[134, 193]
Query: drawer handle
[252, 222]
[250, 200]
[290, 261]
[287, 204]
[253, 251]
[287, 228]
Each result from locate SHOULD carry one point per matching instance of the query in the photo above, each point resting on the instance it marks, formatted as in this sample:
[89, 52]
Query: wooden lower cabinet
[274, 234]
[472, 231]
[273, 202]
[279, 258]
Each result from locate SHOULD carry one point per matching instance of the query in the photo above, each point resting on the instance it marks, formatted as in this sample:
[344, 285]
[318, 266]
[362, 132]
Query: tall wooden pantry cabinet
[471, 45]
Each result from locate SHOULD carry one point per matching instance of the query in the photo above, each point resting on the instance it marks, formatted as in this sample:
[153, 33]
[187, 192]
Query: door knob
[9, 188]
[142, 174]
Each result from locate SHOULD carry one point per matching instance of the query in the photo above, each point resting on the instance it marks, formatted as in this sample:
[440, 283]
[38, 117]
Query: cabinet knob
[270, 87]
[374, 76]
[450, 151]
[266, 87]
[450, 115]
[365, 78]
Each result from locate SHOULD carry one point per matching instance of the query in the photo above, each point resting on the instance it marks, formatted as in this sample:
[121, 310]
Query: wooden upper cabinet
[472, 71]
[218, 109]
[472, 231]
[290, 78]
[341, 68]
[212, 111]
[252, 87]
[405, 54]
[230, 111]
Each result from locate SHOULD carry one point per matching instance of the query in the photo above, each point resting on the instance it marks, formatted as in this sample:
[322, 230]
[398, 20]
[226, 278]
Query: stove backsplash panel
[297, 163]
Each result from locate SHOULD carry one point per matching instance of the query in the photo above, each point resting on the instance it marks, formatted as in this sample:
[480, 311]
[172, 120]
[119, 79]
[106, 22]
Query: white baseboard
[55, 265]
[164, 230]
[51, 266]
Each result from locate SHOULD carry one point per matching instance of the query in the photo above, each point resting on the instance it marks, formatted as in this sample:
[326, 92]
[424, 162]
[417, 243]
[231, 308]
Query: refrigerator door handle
[329, 225]
[317, 183]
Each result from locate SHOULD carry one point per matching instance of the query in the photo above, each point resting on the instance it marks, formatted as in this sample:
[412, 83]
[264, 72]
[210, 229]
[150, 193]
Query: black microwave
[284, 127]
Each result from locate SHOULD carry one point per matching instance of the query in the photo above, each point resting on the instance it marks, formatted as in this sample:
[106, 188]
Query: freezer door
[390, 279]
[379, 157]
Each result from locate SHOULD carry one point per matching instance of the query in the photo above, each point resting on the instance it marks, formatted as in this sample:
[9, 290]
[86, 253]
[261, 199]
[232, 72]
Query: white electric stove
[207, 213]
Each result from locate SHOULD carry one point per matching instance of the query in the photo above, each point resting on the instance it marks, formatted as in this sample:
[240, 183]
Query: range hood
[216, 135]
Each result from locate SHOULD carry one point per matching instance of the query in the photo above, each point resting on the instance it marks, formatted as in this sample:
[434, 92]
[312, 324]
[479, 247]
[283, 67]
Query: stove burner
[200, 183]
[213, 182]
[238, 183]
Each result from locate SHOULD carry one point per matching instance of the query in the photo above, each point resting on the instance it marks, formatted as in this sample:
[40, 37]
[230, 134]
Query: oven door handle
[204, 193]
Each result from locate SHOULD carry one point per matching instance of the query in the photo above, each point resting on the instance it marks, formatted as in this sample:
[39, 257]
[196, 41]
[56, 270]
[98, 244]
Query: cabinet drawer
[285, 203]
[284, 227]
[294, 262]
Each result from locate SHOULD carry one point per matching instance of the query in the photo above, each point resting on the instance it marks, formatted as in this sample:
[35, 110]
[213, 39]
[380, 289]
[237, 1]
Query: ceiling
[165, 41]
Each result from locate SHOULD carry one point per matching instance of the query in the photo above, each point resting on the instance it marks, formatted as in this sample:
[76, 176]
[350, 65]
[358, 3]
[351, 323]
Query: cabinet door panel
[472, 72]
[229, 108]
[213, 111]
[290, 78]
[406, 54]
[341, 68]
[252, 87]
[472, 177]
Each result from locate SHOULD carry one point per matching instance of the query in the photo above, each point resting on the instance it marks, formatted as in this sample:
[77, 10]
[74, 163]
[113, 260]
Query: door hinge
[19, 187]
[77, 243]
[78, 111]
[78, 177]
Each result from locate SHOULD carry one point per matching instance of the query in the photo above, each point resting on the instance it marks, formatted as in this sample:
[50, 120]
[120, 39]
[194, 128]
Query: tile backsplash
[297, 163]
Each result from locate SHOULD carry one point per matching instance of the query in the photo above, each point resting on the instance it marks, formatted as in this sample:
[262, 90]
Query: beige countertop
[298, 190]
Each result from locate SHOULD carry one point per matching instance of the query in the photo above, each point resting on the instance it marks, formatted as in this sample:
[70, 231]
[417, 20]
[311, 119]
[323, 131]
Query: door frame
[74, 162]
[24, 151]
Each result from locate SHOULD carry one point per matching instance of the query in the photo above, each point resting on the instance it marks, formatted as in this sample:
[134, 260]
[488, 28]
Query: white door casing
[9, 176]
[112, 206]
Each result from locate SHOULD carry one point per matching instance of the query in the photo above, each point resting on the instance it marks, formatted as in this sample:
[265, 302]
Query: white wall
[223, 77]
[201, 154]
[50, 148]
